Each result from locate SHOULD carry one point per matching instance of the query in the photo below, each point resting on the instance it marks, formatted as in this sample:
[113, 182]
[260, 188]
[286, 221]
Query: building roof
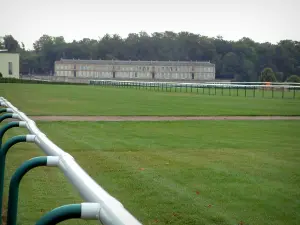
[128, 62]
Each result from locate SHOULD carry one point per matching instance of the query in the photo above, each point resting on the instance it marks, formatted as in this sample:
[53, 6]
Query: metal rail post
[7, 126]
[2, 110]
[60, 214]
[294, 96]
[87, 211]
[6, 116]
[16, 179]
[3, 151]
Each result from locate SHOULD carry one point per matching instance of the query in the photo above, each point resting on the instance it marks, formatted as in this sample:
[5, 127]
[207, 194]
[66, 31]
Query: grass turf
[193, 172]
[34, 99]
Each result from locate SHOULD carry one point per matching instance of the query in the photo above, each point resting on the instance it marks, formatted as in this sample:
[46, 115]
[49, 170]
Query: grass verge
[191, 172]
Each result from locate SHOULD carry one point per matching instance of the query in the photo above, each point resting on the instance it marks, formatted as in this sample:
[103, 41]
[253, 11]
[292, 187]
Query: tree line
[242, 60]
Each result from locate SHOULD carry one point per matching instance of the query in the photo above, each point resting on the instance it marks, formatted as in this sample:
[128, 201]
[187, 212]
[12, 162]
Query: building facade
[9, 65]
[145, 70]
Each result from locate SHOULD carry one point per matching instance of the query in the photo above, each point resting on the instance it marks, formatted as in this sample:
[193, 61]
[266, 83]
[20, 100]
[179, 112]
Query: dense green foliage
[23, 81]
[195, 172]
[267, 75]
[244, 59]
[294, 78]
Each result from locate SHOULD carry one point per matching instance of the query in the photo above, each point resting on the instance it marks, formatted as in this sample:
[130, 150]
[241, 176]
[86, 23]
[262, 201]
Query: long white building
[144, 70]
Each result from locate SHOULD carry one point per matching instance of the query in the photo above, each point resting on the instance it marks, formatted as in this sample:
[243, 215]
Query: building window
[10, 69]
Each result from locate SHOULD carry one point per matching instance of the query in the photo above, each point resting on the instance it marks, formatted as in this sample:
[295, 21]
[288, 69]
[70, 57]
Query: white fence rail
[111, 211]
[195, 85]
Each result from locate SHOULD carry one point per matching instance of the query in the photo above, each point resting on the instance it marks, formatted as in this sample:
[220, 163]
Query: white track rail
[111, 211]
[197, 85]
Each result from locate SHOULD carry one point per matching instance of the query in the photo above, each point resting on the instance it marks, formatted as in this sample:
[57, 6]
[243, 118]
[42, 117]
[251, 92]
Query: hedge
[23, 81]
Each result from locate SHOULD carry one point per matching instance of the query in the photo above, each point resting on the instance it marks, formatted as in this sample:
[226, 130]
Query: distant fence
[257, 89]
[99, 204]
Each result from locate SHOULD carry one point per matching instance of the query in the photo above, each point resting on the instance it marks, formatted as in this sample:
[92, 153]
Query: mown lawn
[34, 99]
[181, 173]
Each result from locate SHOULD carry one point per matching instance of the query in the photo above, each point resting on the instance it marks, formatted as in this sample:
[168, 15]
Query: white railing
[196, 85]
[111, 211]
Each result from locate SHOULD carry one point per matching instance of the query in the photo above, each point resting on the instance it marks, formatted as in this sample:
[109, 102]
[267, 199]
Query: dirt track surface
[158, 118]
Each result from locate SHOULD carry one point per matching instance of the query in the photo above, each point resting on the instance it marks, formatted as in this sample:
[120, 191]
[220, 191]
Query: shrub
[293, 78]
[23, 81]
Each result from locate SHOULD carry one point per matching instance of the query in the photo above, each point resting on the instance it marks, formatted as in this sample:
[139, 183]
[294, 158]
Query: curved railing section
[108, 210]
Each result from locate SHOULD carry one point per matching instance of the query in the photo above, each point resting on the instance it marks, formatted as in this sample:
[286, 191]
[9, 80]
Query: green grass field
[194, 173]
[43, 99]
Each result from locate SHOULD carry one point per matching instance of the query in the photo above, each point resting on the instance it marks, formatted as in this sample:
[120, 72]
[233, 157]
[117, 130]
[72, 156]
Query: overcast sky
[261, 20]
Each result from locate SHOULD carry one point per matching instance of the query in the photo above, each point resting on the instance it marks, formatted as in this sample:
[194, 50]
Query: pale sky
[261, 20]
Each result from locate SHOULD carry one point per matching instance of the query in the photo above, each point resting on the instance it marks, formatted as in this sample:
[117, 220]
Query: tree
[11, 44]
[267, 75]
[244, 59]
[293, 78]
[1, 43]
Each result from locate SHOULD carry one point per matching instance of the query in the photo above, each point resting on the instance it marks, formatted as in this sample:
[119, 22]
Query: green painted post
[5, 128]
[15, 184]
[294, 96]
[2, 110]
[5, 116]
[3, 151]
[61, 214]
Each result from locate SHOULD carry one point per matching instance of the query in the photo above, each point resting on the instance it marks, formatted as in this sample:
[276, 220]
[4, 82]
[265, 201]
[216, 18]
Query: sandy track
[158, 118]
